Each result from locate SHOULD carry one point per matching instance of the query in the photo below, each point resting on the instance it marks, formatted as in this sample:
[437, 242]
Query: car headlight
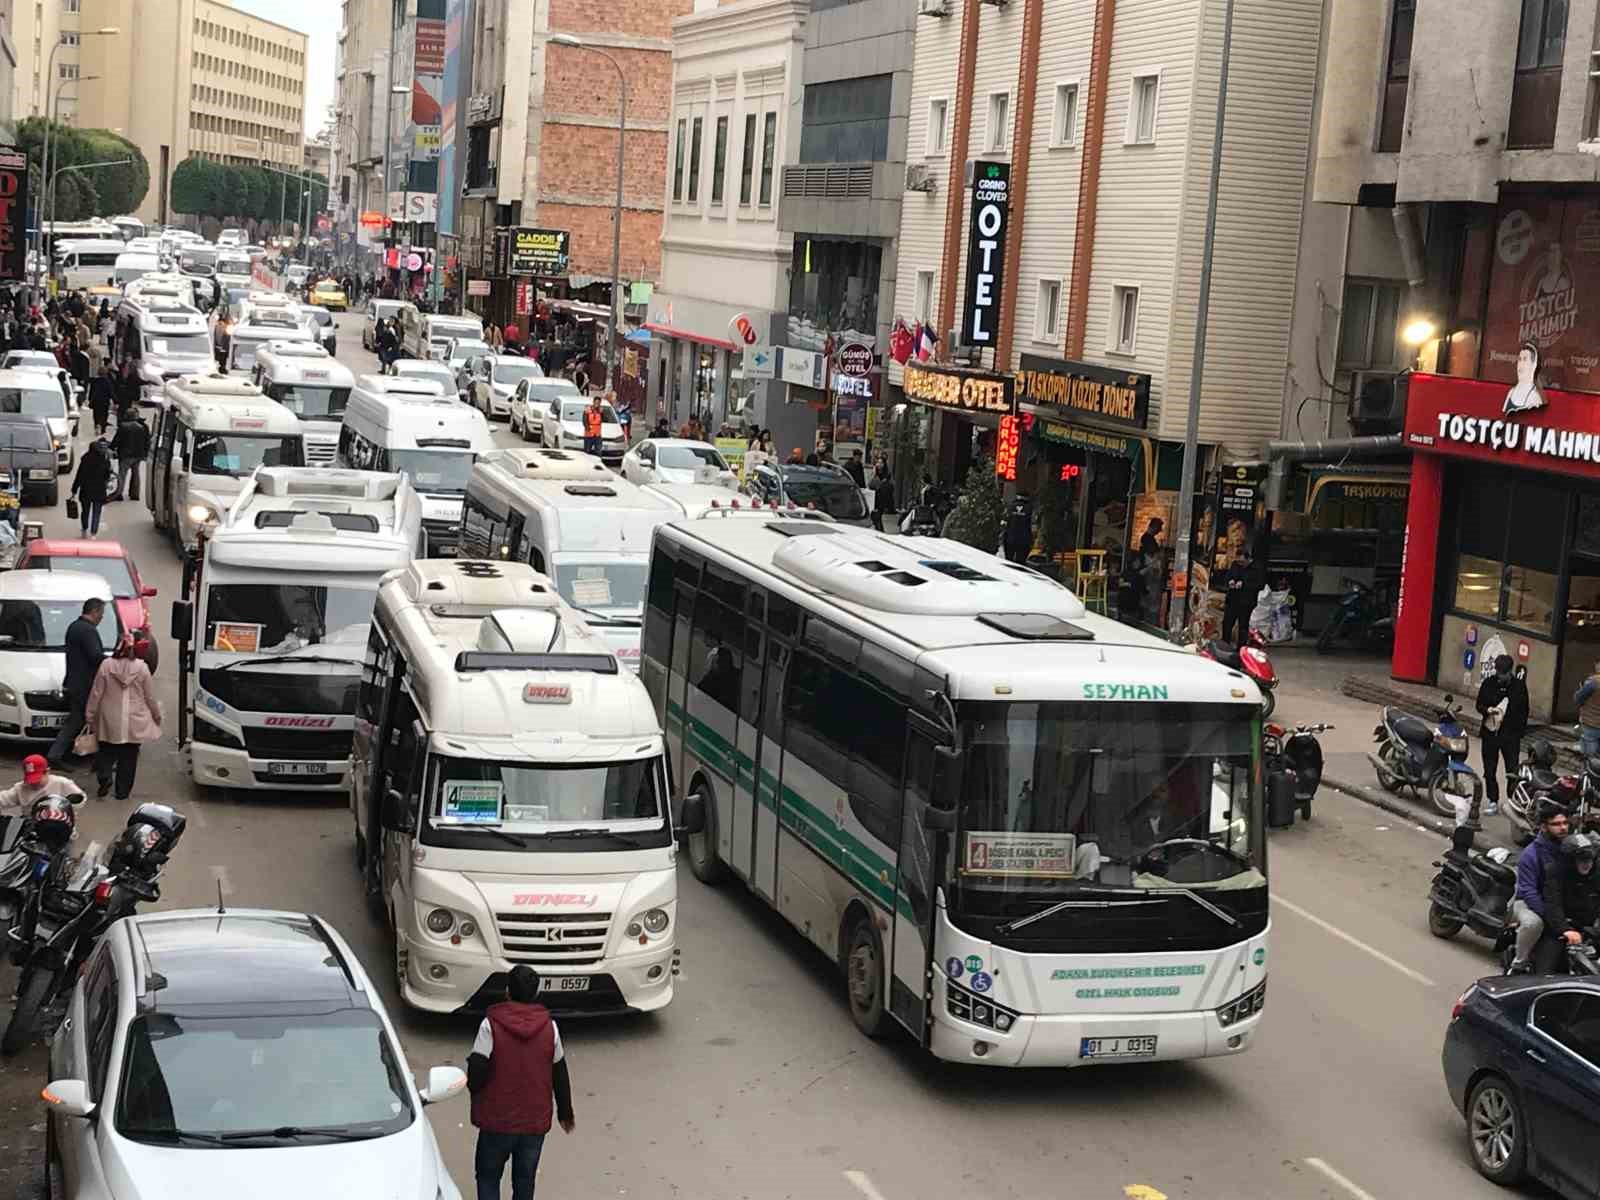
[8, 695]
[440, 921]
[656, 920]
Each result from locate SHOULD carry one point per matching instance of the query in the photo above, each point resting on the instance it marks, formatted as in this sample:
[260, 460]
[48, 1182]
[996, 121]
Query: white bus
[84, 263]
[510, 796]
[1029, 835]
[314, 386]
[275, 624]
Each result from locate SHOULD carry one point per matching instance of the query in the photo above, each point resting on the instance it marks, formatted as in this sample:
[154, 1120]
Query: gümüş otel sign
[986, 251]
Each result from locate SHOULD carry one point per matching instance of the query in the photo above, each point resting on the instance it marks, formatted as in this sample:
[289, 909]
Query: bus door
[748, 737]
[917, 881]
[685, 586]
[161, 468]
[769, 779]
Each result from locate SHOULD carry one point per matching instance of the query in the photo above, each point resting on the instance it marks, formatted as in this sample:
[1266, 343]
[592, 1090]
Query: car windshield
[510, 370]
[178, 343]
[278, 618]
[840, 498]
[239, 454]
[601, 583]
[42, 624]
[251, 1079]
[689, 458]
[113, 570]
[433, 471]
[1060, 796]
[24, 435]
[464, 349]
[572, 410]
[31, 402]
[309, 400]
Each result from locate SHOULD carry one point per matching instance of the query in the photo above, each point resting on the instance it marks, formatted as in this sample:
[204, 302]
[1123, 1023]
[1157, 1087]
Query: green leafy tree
[189, 189]
[254, 188]
[980, 510]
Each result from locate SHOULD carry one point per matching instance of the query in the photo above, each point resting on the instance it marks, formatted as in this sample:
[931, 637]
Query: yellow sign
[960, 391]
[630, 363]
[1088, 395]
[872, 424]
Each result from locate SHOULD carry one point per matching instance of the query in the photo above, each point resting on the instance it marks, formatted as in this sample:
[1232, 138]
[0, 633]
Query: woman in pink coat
[124, 713]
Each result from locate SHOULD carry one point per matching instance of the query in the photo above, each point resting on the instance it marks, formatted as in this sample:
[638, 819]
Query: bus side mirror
[182, 621]
[692, 816]
[395, 814]
[939, 820]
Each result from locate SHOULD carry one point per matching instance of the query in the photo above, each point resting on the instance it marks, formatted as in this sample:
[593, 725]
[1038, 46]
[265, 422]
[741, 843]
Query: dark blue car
[1522, 1062]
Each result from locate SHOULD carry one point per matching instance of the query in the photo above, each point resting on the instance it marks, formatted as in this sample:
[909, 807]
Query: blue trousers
[489, 1163]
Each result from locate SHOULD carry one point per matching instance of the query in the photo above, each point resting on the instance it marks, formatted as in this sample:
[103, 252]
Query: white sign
[999, 852]
[803, 367]
[852, 385]
[760, 362]
[472, 801]
[477, 287]
[419, 207]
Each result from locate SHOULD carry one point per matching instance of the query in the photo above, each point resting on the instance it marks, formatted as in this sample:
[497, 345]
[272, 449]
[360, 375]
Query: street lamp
[44, 163]
[566, 39]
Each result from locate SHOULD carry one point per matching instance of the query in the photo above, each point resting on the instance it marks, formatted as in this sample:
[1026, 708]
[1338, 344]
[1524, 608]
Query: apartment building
[1457, 141]
[736, 99]
[1085, 128]
[362, 70]
[35, 28]
[230, 86]
[8, 66]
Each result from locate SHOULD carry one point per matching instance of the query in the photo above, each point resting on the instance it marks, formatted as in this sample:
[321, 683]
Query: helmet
[166, 821]
[1549, 809]
[137, 851]
[1541, 754]
[1582, 846]
[52, 821]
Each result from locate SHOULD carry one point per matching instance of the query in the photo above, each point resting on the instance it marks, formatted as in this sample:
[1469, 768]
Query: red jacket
[519, 1096]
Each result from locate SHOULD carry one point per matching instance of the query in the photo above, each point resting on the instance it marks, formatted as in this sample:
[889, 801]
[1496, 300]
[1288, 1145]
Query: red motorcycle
[1249, 659]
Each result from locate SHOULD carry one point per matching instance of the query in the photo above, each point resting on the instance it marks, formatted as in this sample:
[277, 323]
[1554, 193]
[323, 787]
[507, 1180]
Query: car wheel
[55, 1187]
[1496, 1132]
[863, 977]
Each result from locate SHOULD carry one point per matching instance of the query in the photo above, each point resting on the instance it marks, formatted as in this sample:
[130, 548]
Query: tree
[114, 190]
[980, 510]
[254, 187]
[190, 188]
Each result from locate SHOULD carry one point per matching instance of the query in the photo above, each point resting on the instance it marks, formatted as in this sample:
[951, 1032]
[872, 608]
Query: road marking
[1317, 1164]
[1356, 942]
[1142, 1191]
[224, 884]
[859, 1180]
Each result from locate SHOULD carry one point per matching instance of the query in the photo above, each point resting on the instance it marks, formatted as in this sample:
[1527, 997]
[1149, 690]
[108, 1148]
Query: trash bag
[1273, 615]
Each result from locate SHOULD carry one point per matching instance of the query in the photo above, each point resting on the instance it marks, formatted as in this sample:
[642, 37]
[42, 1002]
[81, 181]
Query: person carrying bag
[123, 713]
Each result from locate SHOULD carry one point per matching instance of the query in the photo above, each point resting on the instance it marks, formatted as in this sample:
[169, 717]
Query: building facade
[1459, 139]
[34, 27]
[8, 67]
[236, 90]
[362, 82]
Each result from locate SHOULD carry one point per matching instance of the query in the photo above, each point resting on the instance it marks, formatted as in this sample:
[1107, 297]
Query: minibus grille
[320, 453]
[559, 939]
[327, 744]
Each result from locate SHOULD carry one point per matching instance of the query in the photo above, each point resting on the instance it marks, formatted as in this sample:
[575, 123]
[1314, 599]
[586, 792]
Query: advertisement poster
[13, 213]
[453, 117]
[236, 636]
[1544, 289]
[427, 81]
[472, 801]
[538, 252]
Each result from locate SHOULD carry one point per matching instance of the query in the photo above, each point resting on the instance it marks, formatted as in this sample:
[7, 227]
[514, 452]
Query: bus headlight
[202, 514]
[1247, 1005]
[655, 920]
[440, 921]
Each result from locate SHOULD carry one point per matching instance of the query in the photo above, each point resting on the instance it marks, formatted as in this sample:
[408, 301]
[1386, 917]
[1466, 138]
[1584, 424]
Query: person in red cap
[17, 800]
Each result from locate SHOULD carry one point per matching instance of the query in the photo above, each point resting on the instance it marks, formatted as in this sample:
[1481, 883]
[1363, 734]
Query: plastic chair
[1090, 585]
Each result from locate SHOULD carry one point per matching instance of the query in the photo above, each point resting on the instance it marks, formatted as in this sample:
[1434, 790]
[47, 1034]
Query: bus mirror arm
[394, 811]
[939, 820]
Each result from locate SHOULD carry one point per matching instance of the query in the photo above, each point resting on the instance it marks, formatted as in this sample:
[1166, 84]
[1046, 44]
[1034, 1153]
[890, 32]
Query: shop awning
[1156, 465]
[1316, 485]
[688, 335]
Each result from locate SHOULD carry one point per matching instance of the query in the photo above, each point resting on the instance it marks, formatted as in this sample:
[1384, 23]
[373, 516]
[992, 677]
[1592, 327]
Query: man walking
[84, 652]
[131, 445]
[593, 419]
[1587, 698]
[516, 1068]
[1503, 705]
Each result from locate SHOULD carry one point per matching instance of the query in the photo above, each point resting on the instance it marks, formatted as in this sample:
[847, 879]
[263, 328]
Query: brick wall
[589, 249]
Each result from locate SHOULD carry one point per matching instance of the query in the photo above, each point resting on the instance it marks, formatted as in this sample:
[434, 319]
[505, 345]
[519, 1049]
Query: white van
[696, 501]
[163, 340]
[33, 393]
[567, 516]
[509, 796]
[314, 386]
[257, 330]
[428, 335]
[231, 238]
[396, 424]
[84, 262]
[234, 269]
[164, 285]
[212, 435]
[132, 266]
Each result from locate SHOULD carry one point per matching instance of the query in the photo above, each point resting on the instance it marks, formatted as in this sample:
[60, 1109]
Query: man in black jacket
[84, 652]
[1239, 588]
[1571, 902]
[131, 445]
[1504, 742]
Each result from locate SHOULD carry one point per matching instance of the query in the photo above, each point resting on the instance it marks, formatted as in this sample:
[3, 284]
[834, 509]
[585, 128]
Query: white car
[677, 460]
[562, 422]
[35, 609]
[425, 368]
[242, 1053]
[490, 380]
[458, 350]
[531, 399]
[35, 392]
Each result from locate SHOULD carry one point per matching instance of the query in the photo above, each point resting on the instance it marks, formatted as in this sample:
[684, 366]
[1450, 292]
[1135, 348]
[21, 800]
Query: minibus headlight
[440, 921]
[199, 514]
[655, 920]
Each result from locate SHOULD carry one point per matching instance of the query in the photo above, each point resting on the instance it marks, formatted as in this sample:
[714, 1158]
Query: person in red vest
[517, 1074]
[592, 425]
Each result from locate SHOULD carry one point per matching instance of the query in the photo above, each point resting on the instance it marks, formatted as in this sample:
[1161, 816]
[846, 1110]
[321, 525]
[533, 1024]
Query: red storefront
[1502, 550]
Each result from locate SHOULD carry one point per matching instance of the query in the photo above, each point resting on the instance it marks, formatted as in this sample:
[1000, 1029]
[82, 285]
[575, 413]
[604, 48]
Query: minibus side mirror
[396, 814]
[939, 820]
[692, 816]
[182, 620]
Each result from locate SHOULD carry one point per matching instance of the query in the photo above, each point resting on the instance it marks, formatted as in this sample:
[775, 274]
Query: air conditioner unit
[920, 178]
[933, 8]
[1378, 402]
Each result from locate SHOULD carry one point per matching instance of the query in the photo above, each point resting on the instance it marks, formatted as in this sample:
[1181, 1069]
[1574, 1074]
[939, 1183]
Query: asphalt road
[754, 1083]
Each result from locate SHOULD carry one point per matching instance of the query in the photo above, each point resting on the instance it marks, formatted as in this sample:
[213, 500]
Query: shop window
[1511, 539]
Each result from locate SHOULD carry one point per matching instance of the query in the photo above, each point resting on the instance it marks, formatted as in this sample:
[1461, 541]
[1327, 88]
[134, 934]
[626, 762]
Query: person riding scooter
[1538, 863]
[1571, 902]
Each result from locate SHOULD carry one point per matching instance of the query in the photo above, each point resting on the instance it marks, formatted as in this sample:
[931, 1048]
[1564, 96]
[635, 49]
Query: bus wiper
[1051, 910]
[1211, 908]
[614, 834]
[504, 835]
[286, 658]
[602, 619]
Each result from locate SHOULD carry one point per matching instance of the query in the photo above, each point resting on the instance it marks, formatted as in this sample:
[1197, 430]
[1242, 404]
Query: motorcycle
[1472, 890]
[1537, 777]
[1412, 753]
[927, 516]
[1582, 958]
[74, 905]
[1249, 659]
[1363, 612]
[1299, 751]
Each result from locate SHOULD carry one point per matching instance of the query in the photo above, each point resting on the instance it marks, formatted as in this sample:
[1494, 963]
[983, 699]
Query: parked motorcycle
[1537, 777]
[1299, 751]
[1364, 613]
[76, 902]
[1472, 890]
[1412, 753]
[927, 516]
[1248, 659]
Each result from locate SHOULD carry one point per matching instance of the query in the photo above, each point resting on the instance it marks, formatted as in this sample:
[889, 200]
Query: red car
[109, 561]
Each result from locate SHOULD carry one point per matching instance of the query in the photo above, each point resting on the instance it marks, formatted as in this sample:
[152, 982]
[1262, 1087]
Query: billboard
[13, 213]
[538, 252]
[453, 118]
[427, 80]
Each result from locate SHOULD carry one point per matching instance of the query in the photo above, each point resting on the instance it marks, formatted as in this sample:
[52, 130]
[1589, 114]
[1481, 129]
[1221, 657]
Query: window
[1511, 540]
[997, 134]
[1047, 316]
[1542, 41]
[938, 111]
[1536, 87]
[769, 151]
[1064, 119]
[719, 161]
[1368, 338]
[677, 165]
[100, 1019]
[1124, 319]
[1572, 1019]
[846, 120]
[747, 164]
[694, 160]
[69, 39]
[923, 310]
[1145, 95]
[67, 71]
[716, 659]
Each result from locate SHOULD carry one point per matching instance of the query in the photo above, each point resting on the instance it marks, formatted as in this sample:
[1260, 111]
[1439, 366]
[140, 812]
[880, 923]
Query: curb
[1410, 812]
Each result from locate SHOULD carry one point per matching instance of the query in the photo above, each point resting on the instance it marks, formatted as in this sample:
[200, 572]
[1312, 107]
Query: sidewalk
[1316, 687]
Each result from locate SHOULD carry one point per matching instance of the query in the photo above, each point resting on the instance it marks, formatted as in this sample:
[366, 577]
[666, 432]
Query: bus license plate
[1143, 1046]
[297, 768]
[564, 983]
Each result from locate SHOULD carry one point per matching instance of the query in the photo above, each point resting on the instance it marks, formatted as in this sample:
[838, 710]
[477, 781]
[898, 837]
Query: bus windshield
[1059, 797]
[239, 454]
[433, 471]
[303, 400]
[44, 402]
[595, 583]
[278, 618]
[178, 343]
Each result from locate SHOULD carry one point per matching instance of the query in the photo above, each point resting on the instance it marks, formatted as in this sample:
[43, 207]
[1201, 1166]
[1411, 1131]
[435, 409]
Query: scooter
[1298, 750]
[1412, 753]
[1537, 777]
[1363, 613]
[1580, 959]
[1248, 659]
[1472, 890]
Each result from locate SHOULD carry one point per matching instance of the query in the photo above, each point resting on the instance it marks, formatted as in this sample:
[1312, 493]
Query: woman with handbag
[123, 713]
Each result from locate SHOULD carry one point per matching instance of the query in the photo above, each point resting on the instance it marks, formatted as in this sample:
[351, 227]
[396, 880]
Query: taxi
[329, 295]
